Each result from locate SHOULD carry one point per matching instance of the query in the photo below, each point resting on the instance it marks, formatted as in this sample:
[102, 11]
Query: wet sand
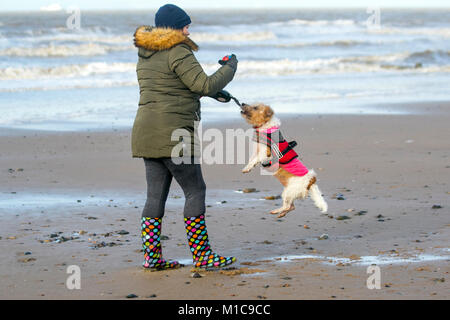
[76, 199]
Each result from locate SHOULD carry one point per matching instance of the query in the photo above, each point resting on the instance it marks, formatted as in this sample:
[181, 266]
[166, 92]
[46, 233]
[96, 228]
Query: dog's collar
[267, 130]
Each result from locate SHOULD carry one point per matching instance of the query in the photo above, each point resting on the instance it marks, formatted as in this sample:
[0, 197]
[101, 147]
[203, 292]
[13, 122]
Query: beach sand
[76, 199]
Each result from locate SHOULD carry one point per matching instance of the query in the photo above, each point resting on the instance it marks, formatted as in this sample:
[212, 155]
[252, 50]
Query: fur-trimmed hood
[158, 39]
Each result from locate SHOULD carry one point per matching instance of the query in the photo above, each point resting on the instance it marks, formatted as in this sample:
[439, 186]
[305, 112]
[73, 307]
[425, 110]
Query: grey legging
[159, 173]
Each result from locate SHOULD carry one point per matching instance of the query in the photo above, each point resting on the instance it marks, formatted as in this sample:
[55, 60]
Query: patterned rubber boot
[199, 244]
[151, 243]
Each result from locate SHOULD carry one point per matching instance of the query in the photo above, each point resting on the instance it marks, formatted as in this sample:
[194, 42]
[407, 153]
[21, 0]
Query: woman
[171, 83]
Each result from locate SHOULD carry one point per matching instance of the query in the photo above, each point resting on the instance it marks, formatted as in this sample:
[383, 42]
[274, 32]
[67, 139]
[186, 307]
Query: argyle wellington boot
[151, 243]
[202, 254]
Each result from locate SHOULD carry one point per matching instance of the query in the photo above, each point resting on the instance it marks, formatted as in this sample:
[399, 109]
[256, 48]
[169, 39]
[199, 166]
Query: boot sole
[178, 266]
[226, 267]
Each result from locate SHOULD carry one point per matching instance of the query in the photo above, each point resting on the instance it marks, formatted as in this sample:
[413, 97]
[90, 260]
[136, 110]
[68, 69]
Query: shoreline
[422, 108]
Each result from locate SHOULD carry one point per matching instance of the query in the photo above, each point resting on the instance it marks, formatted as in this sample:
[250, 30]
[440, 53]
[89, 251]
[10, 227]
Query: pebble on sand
[272, 197]
[338, 196]
[25, 260]
[323, 237]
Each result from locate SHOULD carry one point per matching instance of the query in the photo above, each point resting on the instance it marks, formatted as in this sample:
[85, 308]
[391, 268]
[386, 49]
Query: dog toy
[225, 59]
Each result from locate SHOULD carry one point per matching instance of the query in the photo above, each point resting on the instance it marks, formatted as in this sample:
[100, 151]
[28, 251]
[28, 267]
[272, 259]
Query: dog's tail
[316, 196]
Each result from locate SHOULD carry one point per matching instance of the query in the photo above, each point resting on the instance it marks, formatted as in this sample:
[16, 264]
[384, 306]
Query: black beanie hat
[171, 16]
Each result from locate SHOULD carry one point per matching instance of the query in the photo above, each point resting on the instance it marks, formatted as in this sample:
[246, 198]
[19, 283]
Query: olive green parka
[171, 83]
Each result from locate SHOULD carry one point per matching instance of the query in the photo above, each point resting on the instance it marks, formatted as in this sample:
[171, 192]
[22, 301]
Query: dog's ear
[268, 112]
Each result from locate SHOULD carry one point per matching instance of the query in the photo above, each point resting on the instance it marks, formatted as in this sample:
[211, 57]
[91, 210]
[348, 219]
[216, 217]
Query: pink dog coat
[287, 157]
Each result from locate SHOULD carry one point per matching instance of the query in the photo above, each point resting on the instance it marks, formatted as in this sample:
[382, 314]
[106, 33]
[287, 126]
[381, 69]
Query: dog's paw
[282, 214]
[246, 170]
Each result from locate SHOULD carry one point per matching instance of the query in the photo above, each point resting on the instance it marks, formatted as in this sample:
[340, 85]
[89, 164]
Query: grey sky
[9, 5]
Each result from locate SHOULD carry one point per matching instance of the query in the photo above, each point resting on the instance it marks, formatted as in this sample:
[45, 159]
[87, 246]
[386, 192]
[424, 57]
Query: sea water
[55, 77]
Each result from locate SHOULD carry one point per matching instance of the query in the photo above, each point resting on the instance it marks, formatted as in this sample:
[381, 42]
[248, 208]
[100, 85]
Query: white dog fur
[296, 187]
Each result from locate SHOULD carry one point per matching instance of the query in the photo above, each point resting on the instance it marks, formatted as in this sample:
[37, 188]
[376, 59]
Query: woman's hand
[230, 59]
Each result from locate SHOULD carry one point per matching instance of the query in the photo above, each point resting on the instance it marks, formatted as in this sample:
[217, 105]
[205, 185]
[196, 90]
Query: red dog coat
[287, 157]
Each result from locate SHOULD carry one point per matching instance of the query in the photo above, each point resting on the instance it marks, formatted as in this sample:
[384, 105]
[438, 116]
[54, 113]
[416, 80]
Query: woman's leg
[158, 185]
[159, 179]
[190, 178]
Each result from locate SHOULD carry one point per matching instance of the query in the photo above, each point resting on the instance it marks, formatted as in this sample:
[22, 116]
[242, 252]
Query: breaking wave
[428, 61]
[73, 70]
[442, 32]
[355, 64]
[293, 22]
[239, 36]
[88, 49]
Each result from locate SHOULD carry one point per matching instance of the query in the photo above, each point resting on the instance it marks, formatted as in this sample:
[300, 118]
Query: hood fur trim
[157, 39]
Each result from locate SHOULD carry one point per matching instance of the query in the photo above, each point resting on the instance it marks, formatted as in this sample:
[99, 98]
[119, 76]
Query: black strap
[237, 101]
[290, 146]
